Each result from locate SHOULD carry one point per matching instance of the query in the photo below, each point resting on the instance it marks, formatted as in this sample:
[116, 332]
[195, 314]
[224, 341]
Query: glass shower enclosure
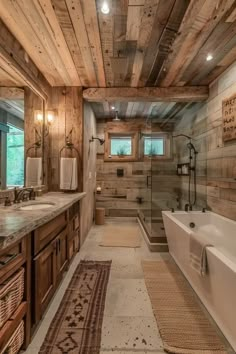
[176, 175]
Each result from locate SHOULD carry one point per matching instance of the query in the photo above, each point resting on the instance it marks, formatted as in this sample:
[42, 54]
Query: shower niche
[183, 169]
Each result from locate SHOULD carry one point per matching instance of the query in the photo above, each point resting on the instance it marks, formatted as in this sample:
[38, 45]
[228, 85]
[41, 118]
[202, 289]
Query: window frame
[158, 138]
[134, 150]
[167, 146]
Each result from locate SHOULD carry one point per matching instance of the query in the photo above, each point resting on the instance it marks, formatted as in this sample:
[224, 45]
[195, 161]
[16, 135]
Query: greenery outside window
[15, 157]
[121, 146]
[154, 146]
[157, 146]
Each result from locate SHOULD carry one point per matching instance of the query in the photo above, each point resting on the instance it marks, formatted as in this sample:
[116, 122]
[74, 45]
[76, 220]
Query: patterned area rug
[183, 326]
[77, 325]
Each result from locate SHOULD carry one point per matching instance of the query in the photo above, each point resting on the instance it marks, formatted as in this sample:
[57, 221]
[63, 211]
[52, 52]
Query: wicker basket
[11, 295]
[15, 342]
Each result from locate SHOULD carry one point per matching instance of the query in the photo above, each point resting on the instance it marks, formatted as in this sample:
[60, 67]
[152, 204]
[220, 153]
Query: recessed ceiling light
[105, 8]
[113, 108]
[209, 57]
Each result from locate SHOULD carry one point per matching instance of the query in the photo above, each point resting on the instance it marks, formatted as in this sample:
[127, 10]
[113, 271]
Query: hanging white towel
[33, 171]
[68, 173]
[198, 255]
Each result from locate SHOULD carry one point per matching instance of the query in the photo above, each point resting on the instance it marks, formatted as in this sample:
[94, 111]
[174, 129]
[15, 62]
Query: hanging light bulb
[209, 57]
[105, 8]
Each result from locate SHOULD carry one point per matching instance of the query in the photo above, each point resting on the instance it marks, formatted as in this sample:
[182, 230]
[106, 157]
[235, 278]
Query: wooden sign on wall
[229, 118]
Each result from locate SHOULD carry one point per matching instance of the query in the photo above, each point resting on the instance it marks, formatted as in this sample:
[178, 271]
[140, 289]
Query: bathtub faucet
[188, 207]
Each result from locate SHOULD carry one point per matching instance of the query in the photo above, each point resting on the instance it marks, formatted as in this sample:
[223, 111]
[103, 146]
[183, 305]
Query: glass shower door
[145, 212]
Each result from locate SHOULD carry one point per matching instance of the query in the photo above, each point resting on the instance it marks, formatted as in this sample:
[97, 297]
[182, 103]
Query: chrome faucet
[21, 194]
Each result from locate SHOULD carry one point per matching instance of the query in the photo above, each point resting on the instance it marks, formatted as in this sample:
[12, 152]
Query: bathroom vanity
[36, 248]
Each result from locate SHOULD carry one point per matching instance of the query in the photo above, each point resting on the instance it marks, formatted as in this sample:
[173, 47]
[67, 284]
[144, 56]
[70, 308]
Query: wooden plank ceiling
[139, 43]
[14, 107]
[160, 112]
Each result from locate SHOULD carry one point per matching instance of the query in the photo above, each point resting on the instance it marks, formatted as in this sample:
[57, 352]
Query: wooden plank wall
[119, 193]
[217, 187]
[68, 104]
[32, 102]
[89, 172]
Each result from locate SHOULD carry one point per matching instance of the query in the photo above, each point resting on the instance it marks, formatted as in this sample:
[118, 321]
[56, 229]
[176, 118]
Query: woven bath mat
[77, 325]
[121, 236]
[183, 326]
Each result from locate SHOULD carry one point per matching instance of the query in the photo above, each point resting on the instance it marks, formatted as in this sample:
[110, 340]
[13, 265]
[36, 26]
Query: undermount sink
[36, 206]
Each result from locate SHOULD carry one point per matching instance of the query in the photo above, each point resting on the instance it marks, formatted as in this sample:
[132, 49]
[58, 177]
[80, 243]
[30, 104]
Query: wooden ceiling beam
[147, 94]
[11, 93]
[199, 21]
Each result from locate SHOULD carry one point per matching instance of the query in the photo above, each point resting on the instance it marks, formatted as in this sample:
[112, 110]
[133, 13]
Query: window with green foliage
[154, 146]
[15, 157]
[121, 146]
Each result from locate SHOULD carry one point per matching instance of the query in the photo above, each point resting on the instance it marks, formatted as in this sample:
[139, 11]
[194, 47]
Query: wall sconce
[38, 116]
[50, 116]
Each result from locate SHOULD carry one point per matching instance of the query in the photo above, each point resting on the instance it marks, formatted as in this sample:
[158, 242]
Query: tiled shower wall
[119, 194]
[217, 185]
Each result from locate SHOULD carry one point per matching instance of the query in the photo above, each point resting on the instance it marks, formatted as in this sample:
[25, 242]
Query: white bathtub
[217, 290]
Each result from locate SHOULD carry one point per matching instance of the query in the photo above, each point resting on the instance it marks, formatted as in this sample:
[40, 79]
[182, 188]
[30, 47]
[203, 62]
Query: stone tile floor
[129, 325]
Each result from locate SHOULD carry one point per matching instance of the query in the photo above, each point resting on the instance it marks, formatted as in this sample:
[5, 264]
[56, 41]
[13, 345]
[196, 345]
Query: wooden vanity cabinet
[53, 246]
[50, 261]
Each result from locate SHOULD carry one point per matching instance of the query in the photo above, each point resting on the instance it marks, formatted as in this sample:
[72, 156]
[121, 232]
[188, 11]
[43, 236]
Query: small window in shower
[121, 146]
[154, 146]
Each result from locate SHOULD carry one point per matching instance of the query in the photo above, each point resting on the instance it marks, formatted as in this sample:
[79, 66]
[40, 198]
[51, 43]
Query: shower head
[101, 141]
[186, 136]
[116, 119]
[190, 146]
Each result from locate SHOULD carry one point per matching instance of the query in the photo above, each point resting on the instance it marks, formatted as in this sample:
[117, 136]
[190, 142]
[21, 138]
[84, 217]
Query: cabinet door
[61, 252]
[45, 278]
[73, 244]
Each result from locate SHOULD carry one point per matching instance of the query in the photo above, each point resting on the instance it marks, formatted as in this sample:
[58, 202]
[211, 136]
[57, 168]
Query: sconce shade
[38, 116]
[50, 116]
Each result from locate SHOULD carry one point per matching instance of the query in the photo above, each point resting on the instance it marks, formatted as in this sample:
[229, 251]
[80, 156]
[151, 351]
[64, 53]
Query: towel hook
[69, 144]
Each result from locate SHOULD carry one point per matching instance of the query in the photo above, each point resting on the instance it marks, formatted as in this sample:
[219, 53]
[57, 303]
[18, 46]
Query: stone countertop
[16, 223]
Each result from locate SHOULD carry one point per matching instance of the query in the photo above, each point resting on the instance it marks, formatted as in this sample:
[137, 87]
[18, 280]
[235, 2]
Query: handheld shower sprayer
[192, 170]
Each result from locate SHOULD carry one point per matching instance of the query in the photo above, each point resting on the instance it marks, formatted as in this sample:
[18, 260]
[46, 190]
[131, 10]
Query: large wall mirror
[21, 134]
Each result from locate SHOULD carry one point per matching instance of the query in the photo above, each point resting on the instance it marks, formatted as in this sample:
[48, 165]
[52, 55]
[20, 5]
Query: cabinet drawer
[12, 258]
[16, 340]
[9, 331]
[11, 295]
[45, 233]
